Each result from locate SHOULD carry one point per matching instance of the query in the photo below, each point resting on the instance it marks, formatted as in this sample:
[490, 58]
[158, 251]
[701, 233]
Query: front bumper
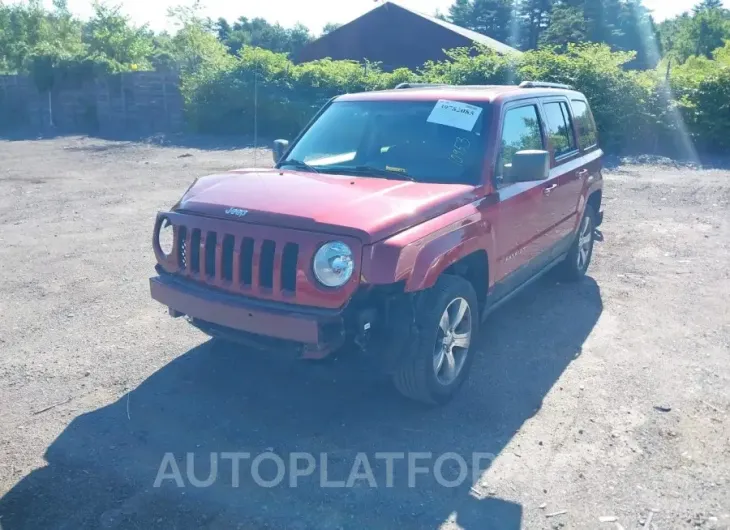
[319, 330]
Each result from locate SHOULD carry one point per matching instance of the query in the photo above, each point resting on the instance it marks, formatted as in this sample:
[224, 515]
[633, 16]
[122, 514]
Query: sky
[312, 13]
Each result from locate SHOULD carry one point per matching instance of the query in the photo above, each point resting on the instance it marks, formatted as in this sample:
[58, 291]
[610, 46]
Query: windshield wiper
[298, 164]
[370, 171]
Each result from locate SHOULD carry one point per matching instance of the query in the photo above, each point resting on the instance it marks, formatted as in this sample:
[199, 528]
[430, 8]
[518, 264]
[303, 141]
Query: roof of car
[482, 93]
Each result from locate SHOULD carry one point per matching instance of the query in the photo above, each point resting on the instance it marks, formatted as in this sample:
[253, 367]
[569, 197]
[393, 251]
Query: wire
[255, 115]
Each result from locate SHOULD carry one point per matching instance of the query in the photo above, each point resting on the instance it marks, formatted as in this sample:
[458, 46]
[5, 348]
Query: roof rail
[543, 84]
[402, 86]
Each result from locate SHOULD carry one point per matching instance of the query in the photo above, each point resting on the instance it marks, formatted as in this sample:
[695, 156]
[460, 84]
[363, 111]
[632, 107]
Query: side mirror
[280, 147]
[529, 166]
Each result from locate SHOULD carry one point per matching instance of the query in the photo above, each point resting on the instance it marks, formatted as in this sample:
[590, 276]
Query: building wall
[134, 102]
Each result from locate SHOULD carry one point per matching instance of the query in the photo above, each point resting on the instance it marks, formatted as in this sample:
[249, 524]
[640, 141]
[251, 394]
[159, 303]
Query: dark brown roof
[477, 38]
[396, 37]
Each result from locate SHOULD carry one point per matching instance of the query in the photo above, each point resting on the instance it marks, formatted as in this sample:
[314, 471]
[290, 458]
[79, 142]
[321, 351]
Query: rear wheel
[579, 256]
[447, 318]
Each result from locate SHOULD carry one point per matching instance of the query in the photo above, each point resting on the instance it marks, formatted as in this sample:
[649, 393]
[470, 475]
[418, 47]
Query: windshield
[426, 141]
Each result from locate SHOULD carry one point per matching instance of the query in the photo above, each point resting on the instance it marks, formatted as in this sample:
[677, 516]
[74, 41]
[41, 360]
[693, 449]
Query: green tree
[567, 24]
[223, 29]
[698, 34]
[110, 36]
[602, 20]
[533, 21]
[28, 30]
[637, 32]
[194, 48]
[705, 5]
[330, 27]
[259, 33]
[461, 13]
[492, 18]
[708, 31]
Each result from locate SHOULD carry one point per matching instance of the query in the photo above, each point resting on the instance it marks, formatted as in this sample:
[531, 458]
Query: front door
[519, 219]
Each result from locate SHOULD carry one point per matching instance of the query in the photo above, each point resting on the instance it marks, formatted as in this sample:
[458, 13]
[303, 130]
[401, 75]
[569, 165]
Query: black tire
[417, 378]
[571, 269]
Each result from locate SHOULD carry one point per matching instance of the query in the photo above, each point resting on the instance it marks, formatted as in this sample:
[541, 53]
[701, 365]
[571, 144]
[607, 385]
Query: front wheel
[447, 319]
[579, 256]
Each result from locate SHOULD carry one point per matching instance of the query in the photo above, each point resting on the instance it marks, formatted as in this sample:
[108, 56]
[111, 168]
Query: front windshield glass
[426, 141]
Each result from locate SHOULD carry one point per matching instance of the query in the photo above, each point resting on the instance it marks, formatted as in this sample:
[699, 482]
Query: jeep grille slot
[266, 265]
[289, 259]
[246, 261]
[195, 251]
[227, 257]
[182, 247]
[210, 261]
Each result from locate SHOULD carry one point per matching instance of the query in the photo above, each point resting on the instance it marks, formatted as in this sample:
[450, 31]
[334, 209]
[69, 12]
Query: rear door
[585, 129]
[566, 173]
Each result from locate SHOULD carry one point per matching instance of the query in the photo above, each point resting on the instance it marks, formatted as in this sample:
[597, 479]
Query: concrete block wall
[129, 103]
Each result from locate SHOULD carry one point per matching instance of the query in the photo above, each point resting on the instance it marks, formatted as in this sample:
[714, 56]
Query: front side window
[559, 128]
[396, 139]
[520, 132]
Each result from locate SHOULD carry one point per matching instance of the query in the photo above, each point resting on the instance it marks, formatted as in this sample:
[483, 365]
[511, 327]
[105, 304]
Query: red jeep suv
[393, 225]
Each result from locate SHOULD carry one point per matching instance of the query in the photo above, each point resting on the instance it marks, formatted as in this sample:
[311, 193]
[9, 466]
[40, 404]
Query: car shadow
[101, 470]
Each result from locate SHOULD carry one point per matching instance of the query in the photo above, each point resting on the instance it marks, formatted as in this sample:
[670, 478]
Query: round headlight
[333, 264]
[165, 237]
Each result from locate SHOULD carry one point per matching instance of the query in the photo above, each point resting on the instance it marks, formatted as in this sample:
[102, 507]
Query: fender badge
[237, 212]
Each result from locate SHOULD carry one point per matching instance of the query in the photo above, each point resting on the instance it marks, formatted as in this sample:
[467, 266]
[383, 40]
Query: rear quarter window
[587, 134]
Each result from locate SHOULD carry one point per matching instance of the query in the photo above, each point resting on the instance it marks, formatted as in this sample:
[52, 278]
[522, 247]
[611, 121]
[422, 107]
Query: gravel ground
[603, 399]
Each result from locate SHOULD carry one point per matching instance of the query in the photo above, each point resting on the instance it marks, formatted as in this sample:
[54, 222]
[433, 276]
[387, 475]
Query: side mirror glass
[280, 147]
[528, 166]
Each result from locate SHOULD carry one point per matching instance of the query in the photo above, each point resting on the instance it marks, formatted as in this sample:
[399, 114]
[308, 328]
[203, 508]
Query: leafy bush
[634, 110]
[702, 89]
[600, 75]
[592, 69]
[225, 77]
[285, 96]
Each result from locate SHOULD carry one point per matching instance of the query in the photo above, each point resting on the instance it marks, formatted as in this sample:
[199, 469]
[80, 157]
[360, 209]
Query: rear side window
[521, 131]
[559, 128]
[587, 136]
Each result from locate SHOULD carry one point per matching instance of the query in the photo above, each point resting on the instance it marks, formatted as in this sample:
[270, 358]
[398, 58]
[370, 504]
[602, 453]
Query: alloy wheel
[585, 242]
[452, 342]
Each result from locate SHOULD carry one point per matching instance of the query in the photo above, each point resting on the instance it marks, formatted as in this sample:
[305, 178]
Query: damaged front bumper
[376, 321]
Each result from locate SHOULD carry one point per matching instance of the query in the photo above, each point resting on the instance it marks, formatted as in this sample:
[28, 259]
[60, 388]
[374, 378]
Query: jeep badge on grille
[236, 211]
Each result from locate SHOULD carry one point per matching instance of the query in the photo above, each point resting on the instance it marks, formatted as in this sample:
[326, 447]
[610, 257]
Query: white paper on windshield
[455, 114]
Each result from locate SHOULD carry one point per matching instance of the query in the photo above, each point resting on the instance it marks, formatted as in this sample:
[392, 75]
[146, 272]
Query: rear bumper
[319, 329]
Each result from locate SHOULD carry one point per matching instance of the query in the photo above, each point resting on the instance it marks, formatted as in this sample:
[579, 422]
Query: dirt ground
[604, 399]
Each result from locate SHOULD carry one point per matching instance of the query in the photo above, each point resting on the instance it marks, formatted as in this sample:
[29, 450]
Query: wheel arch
[474, 268]
[464, 257]
[595, 199]
[419, 256]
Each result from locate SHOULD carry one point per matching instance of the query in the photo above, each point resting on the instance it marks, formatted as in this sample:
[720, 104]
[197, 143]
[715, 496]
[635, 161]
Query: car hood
[366, 207]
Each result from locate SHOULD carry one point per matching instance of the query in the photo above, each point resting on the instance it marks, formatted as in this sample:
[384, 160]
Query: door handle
[547, 190]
